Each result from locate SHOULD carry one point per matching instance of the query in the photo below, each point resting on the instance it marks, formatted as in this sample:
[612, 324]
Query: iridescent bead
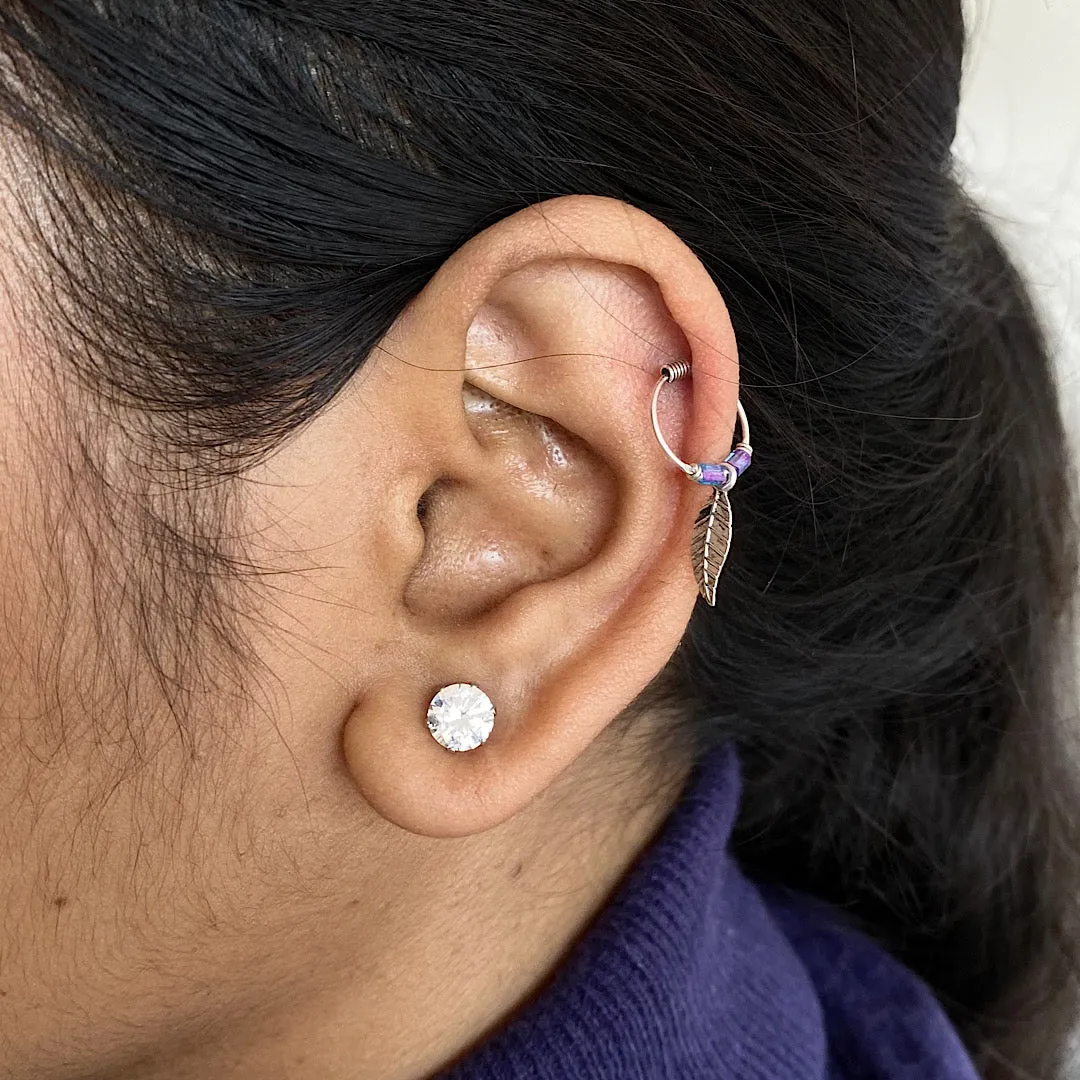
[719, 475]
[740, 458]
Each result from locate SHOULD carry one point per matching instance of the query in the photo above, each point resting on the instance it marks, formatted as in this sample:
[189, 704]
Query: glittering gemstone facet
[460, 717]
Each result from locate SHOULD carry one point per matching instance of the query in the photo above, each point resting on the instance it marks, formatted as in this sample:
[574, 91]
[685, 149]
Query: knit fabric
[693, 972]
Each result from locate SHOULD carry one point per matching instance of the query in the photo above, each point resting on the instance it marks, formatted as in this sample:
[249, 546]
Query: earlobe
[555, 571]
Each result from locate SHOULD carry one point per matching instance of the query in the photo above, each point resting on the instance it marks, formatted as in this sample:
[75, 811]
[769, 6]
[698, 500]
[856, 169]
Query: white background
[1019, 140]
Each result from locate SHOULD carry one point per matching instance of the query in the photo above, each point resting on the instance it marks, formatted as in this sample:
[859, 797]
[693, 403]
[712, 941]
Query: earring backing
[711, 540]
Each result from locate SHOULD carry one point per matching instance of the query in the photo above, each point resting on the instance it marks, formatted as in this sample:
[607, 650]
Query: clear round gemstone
[460, 717]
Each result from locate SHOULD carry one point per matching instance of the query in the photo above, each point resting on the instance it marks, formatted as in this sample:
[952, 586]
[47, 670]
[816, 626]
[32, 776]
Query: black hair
[246, 193]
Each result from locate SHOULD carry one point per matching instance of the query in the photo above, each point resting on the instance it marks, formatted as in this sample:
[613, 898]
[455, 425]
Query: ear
[550, 560]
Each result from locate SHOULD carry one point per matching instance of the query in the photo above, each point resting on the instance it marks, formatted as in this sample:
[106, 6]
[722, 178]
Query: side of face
[219, 796]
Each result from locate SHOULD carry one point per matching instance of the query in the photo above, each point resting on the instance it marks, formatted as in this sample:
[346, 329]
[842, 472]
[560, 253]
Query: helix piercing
[711, 539]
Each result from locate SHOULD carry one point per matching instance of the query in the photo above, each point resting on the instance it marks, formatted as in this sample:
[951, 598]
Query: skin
[285, 876]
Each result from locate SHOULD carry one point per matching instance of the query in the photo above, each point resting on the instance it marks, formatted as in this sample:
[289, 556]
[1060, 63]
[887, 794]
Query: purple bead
[715, 475]
[739, 458]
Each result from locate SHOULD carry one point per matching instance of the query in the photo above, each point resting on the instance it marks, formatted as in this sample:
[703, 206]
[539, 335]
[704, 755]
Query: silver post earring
[711, 540]
[460, 717]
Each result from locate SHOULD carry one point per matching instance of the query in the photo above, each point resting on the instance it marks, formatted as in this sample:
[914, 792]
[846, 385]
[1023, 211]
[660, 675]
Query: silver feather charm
[711, 544]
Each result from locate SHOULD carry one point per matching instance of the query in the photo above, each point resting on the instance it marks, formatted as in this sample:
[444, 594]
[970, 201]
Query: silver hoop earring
[460, 717]
[711, 539]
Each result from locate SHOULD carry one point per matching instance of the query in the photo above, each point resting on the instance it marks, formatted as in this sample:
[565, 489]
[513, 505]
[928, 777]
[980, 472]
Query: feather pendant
[711, 543]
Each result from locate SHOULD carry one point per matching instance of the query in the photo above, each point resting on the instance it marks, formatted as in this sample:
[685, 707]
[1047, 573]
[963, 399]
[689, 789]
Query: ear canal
[537, 506]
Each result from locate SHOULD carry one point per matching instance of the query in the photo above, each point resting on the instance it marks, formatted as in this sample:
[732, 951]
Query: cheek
[168, 861]
[160, 867]
[151, 886]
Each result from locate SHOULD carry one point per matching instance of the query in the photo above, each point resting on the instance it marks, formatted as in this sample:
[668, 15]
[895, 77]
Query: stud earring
[460, 717]
[711, 539]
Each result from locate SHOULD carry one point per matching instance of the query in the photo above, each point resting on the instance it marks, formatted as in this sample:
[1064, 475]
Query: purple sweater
[693, 972]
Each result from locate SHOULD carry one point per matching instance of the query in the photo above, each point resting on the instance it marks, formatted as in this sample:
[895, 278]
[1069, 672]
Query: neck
[470, 932]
